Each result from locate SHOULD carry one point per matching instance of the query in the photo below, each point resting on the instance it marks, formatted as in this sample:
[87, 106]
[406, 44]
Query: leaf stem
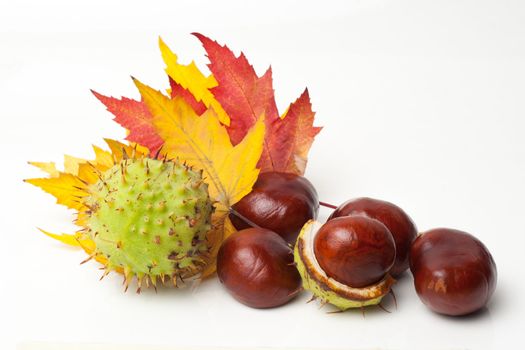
[328, 205]
[243, 218]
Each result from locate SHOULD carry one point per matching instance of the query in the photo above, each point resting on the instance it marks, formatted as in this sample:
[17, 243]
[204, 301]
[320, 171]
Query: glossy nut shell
[256, 266]
[393, 217]
[454, 273]
[280, 202]
[355, 250]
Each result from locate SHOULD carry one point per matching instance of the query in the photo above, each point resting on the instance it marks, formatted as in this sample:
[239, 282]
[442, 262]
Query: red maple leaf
[246, 96]
[135, 117]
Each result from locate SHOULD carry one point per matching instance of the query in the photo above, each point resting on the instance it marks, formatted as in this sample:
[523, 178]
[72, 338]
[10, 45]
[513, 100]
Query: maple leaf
[135, 117]
[203, 142]
[48, 167]
[177, 90]
[299, 118]
[75, 240]
[67, 188]
[245, 97]
[193, 80]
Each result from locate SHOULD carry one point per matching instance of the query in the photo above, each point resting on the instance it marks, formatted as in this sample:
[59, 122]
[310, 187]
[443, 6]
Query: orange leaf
[301, 132]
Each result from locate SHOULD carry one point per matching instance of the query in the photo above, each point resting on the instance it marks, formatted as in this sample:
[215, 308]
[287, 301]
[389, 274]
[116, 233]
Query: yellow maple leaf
[71, 164]
[79, 239]
[204, 143]
[48, 167]
[103, 159]
[67, 188]
[192, 79]
[66, 238]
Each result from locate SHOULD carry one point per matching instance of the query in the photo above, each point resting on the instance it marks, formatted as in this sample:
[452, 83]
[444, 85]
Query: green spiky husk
[327, 289]
[150, 218]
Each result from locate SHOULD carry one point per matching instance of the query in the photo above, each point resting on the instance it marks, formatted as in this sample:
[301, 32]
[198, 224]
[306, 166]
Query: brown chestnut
[355, 250]
[280, 202]
[454, 273]
[256, 266]
[393, 217]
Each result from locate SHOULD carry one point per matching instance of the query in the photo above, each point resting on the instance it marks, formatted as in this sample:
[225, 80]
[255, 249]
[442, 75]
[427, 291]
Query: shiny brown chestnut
[454, 273]
[393, 217]
[256, 266]
[355, 250]
[280, 202]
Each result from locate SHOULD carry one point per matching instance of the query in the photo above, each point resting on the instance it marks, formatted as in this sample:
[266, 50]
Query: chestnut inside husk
[326, 288]
[356, 251]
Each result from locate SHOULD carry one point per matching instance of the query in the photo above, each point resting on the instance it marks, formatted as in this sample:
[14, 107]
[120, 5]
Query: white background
[422, 103]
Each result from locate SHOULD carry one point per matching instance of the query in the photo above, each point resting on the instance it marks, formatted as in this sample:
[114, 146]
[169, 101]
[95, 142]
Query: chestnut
[454, 273]
[355, 250]
[257, 267]
[393, 217]
[280, 202]
[338, 251]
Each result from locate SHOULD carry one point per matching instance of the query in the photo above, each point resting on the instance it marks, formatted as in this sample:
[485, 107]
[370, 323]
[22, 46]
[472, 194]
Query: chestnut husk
[326, 288]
